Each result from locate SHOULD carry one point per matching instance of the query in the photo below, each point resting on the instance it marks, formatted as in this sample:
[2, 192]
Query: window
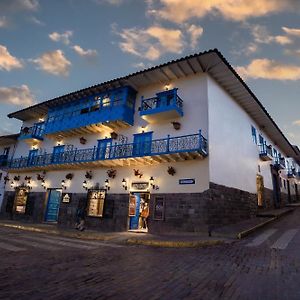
[274, 152]
[96, 203]
[261, 140]
[254, 137]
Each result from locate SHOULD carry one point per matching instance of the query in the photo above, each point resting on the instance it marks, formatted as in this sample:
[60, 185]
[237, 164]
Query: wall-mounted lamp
[107, 184]
[124, 184]
[151, 181]
[63, 184]
[85, 185]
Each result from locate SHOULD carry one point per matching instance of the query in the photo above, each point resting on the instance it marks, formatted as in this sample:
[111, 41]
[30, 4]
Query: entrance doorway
[138, 211]
[54, 197]
[276, 187]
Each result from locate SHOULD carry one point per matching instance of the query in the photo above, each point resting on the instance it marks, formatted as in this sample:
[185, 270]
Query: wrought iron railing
[36, 131]
[265, 150]
[279, 162]
[162, 100]
[169, 145]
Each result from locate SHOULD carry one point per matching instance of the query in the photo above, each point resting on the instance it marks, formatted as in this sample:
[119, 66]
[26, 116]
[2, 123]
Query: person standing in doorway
[145, 215]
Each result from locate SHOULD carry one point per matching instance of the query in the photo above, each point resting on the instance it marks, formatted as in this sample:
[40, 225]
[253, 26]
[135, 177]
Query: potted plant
[39, 177]
[25, 130]
[111, 173]
[6, 179]
[17, 178]
[176, 125]
[69, 176]
[114, 135]
[82, 140]
[171, 171]
[88, 175]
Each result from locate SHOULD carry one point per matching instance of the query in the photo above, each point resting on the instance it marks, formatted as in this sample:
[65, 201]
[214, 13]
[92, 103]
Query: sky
[49, 48]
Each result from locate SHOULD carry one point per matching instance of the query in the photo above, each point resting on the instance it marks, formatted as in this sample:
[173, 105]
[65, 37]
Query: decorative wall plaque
[140, 186]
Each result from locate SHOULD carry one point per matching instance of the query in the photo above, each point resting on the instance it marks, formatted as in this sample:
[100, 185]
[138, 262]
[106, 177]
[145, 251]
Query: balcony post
[94, 150]
[168, 143]
[75, 151]
[200, 140]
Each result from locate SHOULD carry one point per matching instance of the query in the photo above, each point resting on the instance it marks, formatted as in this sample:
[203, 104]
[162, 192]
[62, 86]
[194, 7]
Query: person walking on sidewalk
[80, 217]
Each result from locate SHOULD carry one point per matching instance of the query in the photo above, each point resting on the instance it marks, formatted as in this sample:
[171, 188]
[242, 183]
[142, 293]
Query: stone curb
[245, 233]
[175, 244]
[78, 235]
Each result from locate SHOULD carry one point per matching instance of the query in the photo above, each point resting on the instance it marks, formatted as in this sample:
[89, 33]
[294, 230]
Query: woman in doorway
[145, 215]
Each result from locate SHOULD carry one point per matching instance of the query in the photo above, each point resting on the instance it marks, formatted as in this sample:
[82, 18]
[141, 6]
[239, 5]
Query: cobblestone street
[264, 266]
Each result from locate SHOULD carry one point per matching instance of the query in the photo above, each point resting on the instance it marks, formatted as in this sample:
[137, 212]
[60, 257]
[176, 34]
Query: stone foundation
[193, 212]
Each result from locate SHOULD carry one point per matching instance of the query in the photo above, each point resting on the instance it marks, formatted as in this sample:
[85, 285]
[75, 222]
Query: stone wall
[35, 207]
[115, 213]
[200, 212]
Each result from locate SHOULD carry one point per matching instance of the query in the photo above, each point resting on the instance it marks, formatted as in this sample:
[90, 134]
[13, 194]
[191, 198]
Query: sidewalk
[225, 234]
[244, 228]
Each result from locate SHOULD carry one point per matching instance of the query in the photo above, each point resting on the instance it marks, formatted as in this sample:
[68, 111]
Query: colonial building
[186, 142]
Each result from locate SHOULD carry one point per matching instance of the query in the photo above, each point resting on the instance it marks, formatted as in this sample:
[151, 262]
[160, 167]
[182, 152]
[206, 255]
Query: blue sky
[50, 48]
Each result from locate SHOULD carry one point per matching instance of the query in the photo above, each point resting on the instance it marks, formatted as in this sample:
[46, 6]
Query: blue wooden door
[57, 154]
[31, 157]
[54, 198]
[142, 144]
[103, 149]
[134, 220]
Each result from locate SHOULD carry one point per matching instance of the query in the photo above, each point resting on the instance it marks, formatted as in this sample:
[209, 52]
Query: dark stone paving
[230, 271]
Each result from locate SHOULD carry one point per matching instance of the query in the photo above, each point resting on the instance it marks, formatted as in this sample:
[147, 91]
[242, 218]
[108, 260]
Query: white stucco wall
[234, 157]
[193, 92]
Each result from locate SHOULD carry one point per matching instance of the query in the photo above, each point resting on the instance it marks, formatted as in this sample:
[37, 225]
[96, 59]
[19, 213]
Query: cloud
[151, 42]
[7, 61]
[292, 31]
[3, 22]
[53, 62]
[17, 95]
[18, 5]
[85, 53]
[269, 69]
[195, 33]
[61, 37]
[262, 36]
[297, 122]
[179, 11]
[36, 21]
[112, 2]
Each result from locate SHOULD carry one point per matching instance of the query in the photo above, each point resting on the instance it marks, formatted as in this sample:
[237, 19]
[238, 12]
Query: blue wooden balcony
[265, 152]
[279, 162]
[3, 160]
[166, 105]
[170, 149]
[113, 109]
[291, 173]
[36, 132]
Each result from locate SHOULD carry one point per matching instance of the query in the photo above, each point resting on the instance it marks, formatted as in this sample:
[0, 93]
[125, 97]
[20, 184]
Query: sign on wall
[66, 197]
[187, 181]
[132, 206]
[21, 200]
[96, 203]
[140, 186]
[159, 208]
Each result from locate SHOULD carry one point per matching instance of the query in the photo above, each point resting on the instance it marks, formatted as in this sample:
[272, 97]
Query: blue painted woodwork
[163, 102]
[54, 198]
[31, 156]
[103, 149]
[265, 152]
[3, 160]
[134, 220]
[279, 162]
[142, 144]
[34, 132]
[112, 105]
[57, 153]
[187, 143]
